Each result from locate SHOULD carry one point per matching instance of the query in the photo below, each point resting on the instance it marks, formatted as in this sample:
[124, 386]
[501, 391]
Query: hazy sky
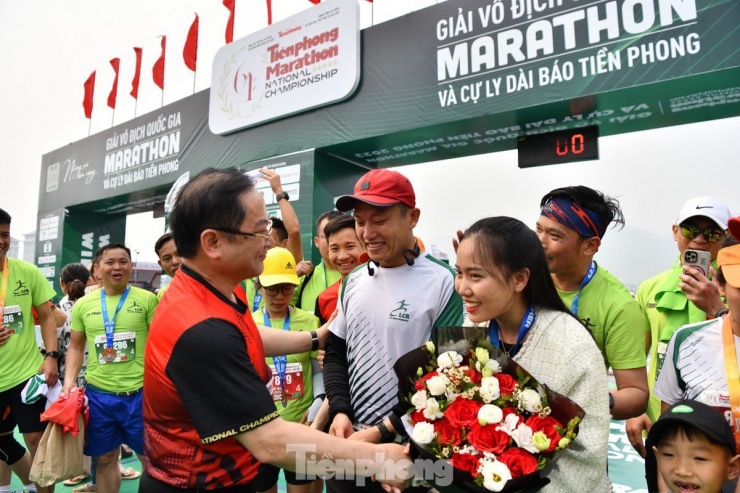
[48, 49]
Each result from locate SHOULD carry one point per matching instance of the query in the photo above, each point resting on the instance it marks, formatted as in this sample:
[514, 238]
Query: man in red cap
[385, 310]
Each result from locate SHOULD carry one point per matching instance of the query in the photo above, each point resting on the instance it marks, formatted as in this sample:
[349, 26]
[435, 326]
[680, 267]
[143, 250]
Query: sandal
[86, 488]
[75, 480]
[129, 473]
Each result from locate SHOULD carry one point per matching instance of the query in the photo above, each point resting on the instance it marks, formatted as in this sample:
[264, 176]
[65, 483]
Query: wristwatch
[385, 435]
[281, 196]
[314, 340]
[52, 354]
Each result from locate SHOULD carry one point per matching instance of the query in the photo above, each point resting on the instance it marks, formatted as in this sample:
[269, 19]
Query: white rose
[530, 400]
[449, 359]
[437, 384]
[509, 424]
[481, 354]
[523, 438]
[495, 475]
[489, 389]
[419, 400]
[423, 433]
[432, 410]
[489, 369]
[489, 414]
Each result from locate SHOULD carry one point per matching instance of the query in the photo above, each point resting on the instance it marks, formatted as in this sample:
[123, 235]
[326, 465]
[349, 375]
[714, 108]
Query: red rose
[430, 375]
[418, 417]
[488, 439]
[466, 462]
[447, 433]
[463, 412]
[474, 376]
[547, 426]
[506, 383]
[419, 385]
[510, 410]
[519, 461]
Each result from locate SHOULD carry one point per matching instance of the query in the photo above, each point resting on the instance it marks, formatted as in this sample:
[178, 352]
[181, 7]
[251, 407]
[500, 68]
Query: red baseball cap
[734, 225]
[382, 188]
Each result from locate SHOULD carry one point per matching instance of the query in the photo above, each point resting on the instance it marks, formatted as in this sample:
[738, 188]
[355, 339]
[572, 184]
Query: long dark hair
[504, 246]
[75, 277]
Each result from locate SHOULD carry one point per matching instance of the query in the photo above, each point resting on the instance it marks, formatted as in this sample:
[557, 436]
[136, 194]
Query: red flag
[190, 52]
[115, 63]
[87, 101]
[269, 12]
[315, 2]
[158, 69]
[229, 4]
[137, 74]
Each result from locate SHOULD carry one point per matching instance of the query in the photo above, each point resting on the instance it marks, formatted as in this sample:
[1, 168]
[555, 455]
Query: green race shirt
[614, 318]
[667, 309]
[131, 331]
[300, 320]
[321, 279]
[20, 357]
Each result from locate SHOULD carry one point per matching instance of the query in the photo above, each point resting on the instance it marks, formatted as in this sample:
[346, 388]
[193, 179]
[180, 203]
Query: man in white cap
[679, 296]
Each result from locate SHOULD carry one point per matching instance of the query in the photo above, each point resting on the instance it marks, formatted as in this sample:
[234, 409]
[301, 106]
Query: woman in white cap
[292, 388]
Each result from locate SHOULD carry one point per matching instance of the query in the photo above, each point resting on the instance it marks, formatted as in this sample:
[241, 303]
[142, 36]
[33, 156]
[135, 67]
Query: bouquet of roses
[499, 428]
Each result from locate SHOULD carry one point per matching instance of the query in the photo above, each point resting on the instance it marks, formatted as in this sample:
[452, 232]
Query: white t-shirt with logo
[694, 367]
[386, 315]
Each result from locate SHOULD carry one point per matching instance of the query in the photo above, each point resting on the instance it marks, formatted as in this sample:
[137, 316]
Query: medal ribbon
[527, 323]
[733, 379]
[280, 361]
[110, 325]
[4, 288]
[587, 279]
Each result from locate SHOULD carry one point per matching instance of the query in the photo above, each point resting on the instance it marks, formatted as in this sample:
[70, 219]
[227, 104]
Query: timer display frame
[562, 146]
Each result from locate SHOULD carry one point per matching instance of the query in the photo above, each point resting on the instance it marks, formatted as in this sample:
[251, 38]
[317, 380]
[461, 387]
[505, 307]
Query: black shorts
[26, 416]
[267, 477]
[148, 484]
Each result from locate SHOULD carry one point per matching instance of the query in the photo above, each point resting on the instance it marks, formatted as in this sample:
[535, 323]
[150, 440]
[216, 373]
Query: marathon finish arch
[460, 78]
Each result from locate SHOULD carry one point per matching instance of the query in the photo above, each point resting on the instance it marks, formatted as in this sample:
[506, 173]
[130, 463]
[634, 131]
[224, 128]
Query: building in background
[29, 247]
[15, 247]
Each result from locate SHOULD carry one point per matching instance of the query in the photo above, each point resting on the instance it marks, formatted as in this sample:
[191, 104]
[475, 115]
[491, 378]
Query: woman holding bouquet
[503, 278]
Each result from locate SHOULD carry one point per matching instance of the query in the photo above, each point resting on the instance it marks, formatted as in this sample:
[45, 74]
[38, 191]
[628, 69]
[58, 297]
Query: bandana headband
[579, 219]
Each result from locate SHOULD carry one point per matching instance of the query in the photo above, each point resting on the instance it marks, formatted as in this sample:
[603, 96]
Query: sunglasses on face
[691, 231]
[287, 289]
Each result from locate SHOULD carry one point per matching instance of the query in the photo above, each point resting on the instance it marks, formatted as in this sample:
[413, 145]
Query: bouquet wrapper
[462, 340]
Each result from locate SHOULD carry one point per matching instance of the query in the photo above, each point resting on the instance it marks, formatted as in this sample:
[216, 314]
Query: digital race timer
[563, 146]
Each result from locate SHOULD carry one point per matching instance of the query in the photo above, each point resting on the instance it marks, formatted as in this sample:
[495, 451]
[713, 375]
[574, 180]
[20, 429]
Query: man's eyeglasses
[287, 289]
[691, 231]
[264, 236]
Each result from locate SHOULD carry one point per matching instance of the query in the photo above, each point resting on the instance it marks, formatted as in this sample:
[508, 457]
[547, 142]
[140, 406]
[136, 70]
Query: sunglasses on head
[691, 231]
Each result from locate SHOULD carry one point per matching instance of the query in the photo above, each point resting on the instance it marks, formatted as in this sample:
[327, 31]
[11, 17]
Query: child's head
[693, 448]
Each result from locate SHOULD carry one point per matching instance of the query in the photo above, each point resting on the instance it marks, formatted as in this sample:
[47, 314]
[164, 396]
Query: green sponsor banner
[456, 79]
[73, 236]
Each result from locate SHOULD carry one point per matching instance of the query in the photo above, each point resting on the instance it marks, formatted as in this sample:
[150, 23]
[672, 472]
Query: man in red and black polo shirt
[209, 417]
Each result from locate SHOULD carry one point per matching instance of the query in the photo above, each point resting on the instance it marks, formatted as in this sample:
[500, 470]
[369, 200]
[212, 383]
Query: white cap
[706, 207]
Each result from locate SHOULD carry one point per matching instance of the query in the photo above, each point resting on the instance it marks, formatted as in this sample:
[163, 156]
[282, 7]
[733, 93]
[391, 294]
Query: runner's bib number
[13, 318]
[123, 342]
[293, 382]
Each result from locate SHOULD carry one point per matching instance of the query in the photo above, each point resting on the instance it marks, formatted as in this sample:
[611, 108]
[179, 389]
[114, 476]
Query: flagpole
[193, 81]
[162, 98]
[89, 126]
[112, 117]
[136, 105]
